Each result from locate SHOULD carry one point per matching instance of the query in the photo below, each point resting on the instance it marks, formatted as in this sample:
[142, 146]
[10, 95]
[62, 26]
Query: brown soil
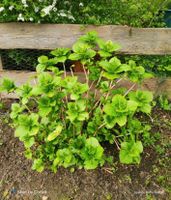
[121, 182]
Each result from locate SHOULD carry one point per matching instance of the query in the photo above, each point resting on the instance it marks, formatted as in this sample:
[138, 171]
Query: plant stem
[72, 73]
[28, 108]
[108, 171]
[100, 77]
[107, 95]
[86, 76]
[87, 81]
[117, 144]
[91, 85]
[131, 88]
[65, 75]
[99, 128]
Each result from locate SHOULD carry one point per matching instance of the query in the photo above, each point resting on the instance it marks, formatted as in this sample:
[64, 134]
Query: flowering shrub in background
[126, 12]
[34, 11]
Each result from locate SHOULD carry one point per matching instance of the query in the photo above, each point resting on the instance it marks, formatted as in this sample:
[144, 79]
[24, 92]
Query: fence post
[1, 67]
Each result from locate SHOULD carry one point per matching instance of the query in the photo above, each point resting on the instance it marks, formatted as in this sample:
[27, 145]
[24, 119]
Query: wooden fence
[139, 41]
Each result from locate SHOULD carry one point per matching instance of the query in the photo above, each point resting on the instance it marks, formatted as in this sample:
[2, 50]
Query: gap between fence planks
[155, 85]
[147, 41]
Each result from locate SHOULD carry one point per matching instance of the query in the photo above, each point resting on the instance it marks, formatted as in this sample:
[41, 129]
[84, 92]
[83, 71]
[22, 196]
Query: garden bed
[150, 179]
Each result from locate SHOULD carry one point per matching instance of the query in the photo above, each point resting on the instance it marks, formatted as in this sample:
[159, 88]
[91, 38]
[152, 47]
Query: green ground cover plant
[164, 102]
[64, 122]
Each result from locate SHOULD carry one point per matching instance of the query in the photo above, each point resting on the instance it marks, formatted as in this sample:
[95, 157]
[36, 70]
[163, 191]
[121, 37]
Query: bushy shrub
[126, 12]
[159, 65]
[64, 122]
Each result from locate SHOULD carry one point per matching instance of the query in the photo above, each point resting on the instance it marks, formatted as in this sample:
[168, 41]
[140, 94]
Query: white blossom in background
[62, 13]
[11, 8]
[71, 17]
[66, 2]
[55, 9]
[66, 14]
[1, 9]
[36, 9]
[46, 11]
[81, 4]
[54, 3]
[24, 2]
[20, 17]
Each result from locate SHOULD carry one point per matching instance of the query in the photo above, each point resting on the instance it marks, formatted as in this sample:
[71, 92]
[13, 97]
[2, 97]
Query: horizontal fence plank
[147, 41]
[157, 86]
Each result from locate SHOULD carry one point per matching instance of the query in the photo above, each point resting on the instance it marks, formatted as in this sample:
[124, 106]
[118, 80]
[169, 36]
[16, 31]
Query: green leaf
[21, 131]
[109, 121]
[132, 105]
[7, 85]
[110, 76]
[38, 165]
[27, 125]
[146, 108]
[55, 133]
[61, 54]
[44, 106]
[64, 158]
[90, 38]
[121, 120]
[120, 103]
[43, 59]
[91, 164]
[40, 68]
[168, 68]
[74, 56]
[108, 109]
[130, 152]
[113, 68]
[143, 100]
[92, 153]
[28, 154]
[104, 54]
[16, 109]
[139, 146]
[34, 130]
[29, 142]
[107, 48]
[82, 52]
[83, 116]
[36, 91]
[74, 96]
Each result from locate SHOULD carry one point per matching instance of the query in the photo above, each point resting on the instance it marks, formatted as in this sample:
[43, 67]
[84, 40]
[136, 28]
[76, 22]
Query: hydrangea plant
[63, 121]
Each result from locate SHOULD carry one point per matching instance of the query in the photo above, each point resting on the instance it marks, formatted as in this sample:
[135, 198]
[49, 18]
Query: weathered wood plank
[1, 66]
[154, 84]
[149, 41]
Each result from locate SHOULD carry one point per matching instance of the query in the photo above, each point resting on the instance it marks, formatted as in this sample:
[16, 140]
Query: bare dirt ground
[150, 180]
